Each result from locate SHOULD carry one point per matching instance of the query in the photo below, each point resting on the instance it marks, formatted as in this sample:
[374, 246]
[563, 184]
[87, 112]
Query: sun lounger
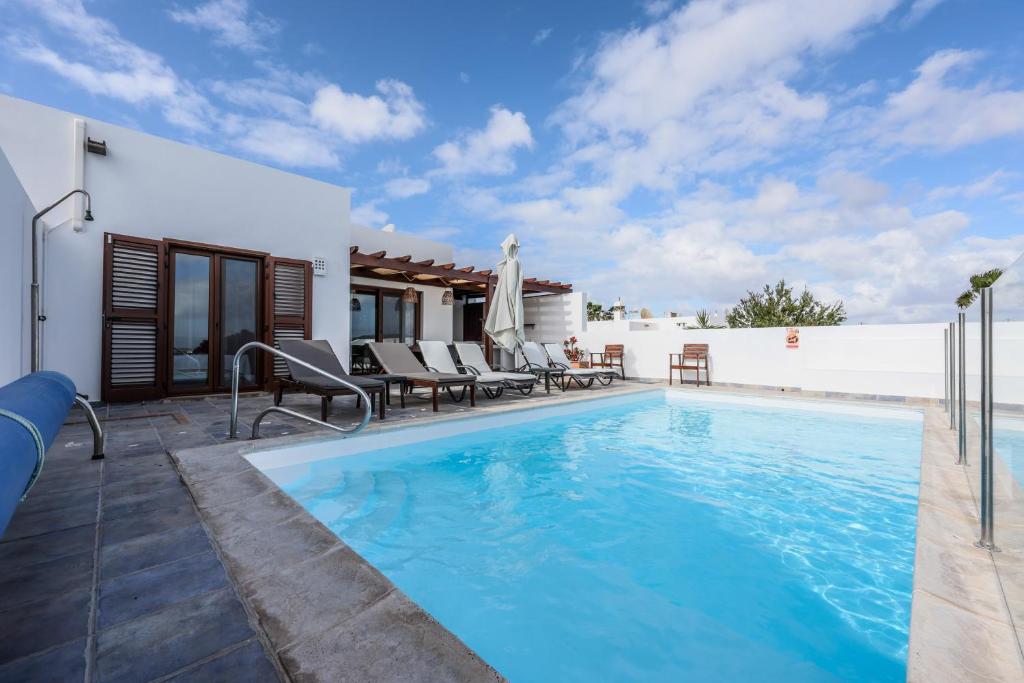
[584, 377]
[318, 352]
[398, 359]
[472, 358]
[439, 359]
[537, 362]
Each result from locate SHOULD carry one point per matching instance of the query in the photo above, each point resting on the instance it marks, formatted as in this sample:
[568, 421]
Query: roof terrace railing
[235, 369]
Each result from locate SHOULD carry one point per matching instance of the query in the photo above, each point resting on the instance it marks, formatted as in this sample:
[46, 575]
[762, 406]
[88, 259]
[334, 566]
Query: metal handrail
[98, 440]
[235, 368]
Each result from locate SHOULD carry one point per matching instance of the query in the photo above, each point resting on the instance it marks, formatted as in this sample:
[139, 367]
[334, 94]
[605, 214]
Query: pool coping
[961, 627]
[273, 549]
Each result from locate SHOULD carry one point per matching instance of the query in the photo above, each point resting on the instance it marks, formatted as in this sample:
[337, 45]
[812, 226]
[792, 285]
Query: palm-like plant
[978, 283]
[704, 321]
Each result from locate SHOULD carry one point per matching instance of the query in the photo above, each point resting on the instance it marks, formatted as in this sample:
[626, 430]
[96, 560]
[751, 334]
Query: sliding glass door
[239, 317]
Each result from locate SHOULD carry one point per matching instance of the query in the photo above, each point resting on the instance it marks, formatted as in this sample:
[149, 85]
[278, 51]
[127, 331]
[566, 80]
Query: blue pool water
[661, 540]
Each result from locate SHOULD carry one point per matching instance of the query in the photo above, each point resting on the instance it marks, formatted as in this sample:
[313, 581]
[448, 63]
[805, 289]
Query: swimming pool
[655, 537]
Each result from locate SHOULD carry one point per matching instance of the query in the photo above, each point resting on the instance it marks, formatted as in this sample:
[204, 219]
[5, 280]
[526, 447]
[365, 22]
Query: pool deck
[175, 559]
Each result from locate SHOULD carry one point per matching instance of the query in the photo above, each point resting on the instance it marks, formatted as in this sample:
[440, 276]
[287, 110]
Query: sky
[673, 154]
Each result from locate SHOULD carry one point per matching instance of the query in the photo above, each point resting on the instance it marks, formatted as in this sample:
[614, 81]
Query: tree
[776, 307]
[597, 312]
[978, 283]
[704, 321]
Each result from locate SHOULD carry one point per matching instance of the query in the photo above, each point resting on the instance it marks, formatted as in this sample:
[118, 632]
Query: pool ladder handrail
[235, 369]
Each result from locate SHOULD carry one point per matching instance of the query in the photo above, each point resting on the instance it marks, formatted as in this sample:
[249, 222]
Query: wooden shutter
[134, 328]
[289, 306]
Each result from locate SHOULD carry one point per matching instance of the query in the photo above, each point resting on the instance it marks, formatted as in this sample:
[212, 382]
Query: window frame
[378, 324]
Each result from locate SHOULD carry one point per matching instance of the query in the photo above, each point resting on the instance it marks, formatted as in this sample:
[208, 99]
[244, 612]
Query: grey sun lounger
[472, 358]
[537, 363]
[318, 352]
[398, 359]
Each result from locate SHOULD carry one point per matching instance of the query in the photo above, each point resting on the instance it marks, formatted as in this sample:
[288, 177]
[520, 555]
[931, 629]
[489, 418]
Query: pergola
[380, 266]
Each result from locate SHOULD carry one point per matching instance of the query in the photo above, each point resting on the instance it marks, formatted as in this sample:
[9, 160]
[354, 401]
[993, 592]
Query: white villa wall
[554, 317]
[890, 360]
[156, 188]
[16, 213]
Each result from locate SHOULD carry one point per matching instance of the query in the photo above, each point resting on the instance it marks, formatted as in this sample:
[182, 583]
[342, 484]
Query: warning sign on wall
[793, 338]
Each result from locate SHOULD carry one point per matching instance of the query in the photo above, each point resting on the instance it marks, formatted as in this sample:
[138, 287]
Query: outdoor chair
[472, 358]
[559, 358]
[613, 356]
[318, 352]
[439, 359]
[398, 359]
[694, 357]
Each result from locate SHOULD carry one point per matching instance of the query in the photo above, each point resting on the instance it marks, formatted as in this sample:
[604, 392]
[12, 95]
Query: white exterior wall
[156, 188]
[552, 318]
[889, 360]
[16, 213]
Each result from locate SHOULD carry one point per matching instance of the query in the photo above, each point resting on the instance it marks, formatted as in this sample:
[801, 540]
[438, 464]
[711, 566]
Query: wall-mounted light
[96, 146]
[410, 296]
[448, 298]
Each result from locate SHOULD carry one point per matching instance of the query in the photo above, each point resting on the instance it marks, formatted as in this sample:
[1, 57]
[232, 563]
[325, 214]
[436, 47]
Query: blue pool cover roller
[32, 410]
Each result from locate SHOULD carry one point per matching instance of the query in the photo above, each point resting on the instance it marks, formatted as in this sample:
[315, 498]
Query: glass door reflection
[238, 286]
[190, 360]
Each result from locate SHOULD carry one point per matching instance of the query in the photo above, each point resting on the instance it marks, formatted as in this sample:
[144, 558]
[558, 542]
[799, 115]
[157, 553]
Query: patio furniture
[559, 358]
[693, 357]
[537, 362]
[397, 359]
[439, 359]
[472, 358]
[318, 352]
[613, 356]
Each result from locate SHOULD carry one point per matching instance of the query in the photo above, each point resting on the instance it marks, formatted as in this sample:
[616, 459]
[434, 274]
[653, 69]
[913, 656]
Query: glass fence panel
[1007, 295]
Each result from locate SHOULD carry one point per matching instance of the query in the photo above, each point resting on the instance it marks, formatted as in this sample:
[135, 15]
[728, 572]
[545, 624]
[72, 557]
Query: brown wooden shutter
[289, 306]
[133, 318]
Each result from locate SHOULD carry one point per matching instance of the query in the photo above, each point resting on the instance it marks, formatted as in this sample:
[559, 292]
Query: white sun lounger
[472, 358]
[437, 358]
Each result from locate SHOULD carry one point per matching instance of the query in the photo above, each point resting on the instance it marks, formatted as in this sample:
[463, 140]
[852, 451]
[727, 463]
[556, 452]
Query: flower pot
[577, 364]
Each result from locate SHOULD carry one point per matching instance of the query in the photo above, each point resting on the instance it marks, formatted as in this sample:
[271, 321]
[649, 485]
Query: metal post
[951, 383]
[961, 394]
[987, 539]
[946, 404]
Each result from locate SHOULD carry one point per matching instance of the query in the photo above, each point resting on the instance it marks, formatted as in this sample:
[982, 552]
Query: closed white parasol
[504, 322]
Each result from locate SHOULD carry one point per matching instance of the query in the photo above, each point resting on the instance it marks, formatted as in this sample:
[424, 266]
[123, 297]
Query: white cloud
[233, 23]
[542, 35]
[657, 8]
[393, 114]
[117, 67]
[286, 144]
[918, 10]
[369, 215]
[487, 151]
[992, 184]
[932, 112]
[464, 77]
[402, 188]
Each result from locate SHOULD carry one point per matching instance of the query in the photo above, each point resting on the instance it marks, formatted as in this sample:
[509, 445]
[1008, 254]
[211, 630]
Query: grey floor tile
[42, 624]
[146, 502]
[56, 665]
[46, 521]
[132, 595]
[163, 642]
[151, 522]
[151, 550]
[43, 502]
[54, 482]
[47, 580]
[30, 551]
[247, 663]
[149, 483]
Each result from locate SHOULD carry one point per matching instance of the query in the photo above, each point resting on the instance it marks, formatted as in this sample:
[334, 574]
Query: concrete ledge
[960, 627]
[326, 613]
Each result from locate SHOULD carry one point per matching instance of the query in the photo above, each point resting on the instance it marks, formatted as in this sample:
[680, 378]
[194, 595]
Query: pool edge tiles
[402, 435]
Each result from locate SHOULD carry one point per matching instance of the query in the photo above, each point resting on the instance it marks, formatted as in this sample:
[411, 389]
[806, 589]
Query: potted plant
[575, 353]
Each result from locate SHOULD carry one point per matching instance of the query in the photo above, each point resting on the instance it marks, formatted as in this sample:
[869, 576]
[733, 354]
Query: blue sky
[674, 154]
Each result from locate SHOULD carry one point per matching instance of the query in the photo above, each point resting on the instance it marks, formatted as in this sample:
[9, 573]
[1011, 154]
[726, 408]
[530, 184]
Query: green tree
[597, 312]
[776, 307]
[704, 321]
[978, 283]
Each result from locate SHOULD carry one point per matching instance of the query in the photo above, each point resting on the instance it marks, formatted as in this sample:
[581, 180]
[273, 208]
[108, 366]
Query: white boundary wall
[884, 360]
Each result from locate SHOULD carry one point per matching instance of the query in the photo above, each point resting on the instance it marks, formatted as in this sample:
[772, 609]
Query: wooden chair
[693, 357]
[612, 357]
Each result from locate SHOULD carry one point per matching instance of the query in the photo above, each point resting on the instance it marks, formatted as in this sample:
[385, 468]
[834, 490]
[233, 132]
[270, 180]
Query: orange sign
[793, 338]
